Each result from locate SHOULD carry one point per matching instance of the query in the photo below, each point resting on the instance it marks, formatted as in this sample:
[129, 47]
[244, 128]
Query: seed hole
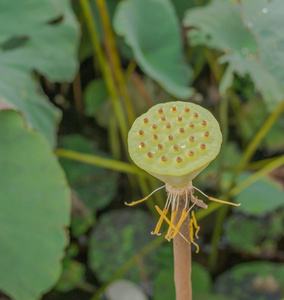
[171, 137]
[203, 146]
[146, 120]
[195, 115]
[168, 125]
[160, 110]
[164, 158]
[174, 108]
[191, 125]
[160, 146]
[181, 130]
[186, 109]
[155, 126]
[190, 152]
[155, 137]
[179, 118]
[203, 123]
[141, 132]
[150, 154]
[175, 147]
[192, 138]
[142, 145]
[206, 133]
[163, 118]
[179, 159]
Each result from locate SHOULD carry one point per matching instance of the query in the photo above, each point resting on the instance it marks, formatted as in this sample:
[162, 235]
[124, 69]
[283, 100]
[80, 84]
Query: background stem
[182, 259]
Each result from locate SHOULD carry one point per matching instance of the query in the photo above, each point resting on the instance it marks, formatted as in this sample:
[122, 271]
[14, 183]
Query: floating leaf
[44, 38]
[253, 281]
[96, 186]
[261, 197]
[243, 50]
[254, 235]
[151, 29]
[117, 237]
[34, 211]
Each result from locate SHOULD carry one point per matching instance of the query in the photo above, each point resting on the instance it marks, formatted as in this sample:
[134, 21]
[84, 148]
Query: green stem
[99, 54]
[99, 161]
[109, 39]
[252, 147]
[131, 262]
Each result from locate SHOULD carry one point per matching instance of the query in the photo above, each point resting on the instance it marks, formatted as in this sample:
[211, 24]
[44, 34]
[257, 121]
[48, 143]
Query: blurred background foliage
[74, 76]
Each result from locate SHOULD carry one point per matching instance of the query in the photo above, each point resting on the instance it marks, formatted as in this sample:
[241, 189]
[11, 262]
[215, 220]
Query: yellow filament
[195, 224]
[191, 236]
[216, 200]
[164, 217]
[159, 224]
[170, 230]
[144, 199]
[183, 216]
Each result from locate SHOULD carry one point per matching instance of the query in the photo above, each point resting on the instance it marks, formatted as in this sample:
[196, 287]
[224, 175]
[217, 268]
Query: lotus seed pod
[180, 139]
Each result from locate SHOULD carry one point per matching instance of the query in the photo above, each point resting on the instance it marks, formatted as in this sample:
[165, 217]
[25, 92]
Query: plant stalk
[182, 259]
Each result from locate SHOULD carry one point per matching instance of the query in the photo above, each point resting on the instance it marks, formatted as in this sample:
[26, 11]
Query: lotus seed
[174, 108]
[155, 137]
[171, 137]
[179, 159]
[181, 130]
[163, 118]
[160, 110]
[195, 115]
[203, 123]
[164, 158]
[186, 109]
[179, 119]
[175, 147]
[206, 133]
[141, 132]
[142, 145]
[168, 125]
[146, 120]
[203, 146]
[190, 152]
[191, 125]
[150, 154]
[155, 126]
[160, 146]
[192, 138]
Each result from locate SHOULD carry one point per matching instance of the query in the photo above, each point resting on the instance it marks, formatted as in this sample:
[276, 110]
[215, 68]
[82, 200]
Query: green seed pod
[174, 141]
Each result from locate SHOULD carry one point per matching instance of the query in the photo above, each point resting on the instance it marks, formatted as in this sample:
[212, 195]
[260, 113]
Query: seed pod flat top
[174, 141]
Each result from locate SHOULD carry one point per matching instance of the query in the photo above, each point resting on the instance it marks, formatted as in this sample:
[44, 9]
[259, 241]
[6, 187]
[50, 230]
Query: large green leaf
[34, 211]
[151, 29]
[243, 42]
[253, 281]
[36, 36]
[96, 186]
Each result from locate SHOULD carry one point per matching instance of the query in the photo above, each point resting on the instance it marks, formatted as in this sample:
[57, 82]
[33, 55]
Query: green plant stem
[242, 164]
[250, 150]
[99, 161]
[99, 54]
[216, 68]
[117, 70]
[131, 262]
